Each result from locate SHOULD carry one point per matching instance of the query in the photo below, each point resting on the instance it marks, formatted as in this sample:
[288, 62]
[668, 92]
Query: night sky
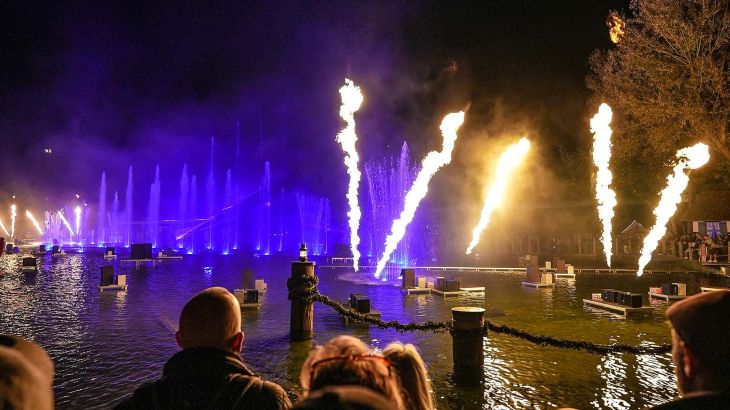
[109, 84]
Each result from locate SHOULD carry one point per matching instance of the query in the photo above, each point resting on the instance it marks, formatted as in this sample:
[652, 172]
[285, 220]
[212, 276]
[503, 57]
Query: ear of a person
[689, 364]
[178, 339]
[237, 342]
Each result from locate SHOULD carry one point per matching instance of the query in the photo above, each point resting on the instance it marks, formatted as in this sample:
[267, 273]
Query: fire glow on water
[605, 196]
[687, 158]
[508, 161]
[351, 101]
[430, 165]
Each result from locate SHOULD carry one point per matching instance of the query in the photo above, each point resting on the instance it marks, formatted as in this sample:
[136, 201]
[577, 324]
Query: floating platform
[564, 275]
[668, 298]
[416, 291]
[621, 310]
[103, 288]
[164, 257]
[446, 293]
[137, 262]
[240, 295]
[537, 285]
[110, 257]
[709, 289]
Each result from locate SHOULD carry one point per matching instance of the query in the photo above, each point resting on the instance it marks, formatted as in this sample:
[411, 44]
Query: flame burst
[687, 158]
[35, 223]
[509, 160]
[351, 101]
[616, 27]
[77, 214]
[65, 223]
[432, 163]
[2, 225]
[13, 214]
[605, 196]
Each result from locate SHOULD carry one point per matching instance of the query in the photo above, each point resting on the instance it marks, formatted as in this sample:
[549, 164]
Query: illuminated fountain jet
[2, 225]
[77, 217]
[35, 223]
[605, 196]
[351, 100]
[508, 162]
[13, 214]
[65, 223]
[430, 165]
[687, 158]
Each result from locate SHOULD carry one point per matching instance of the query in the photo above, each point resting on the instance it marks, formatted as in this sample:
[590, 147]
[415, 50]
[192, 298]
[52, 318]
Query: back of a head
[26, 375]
[346, 398]
[702, 322]
[210, 319]
[415, 383]
[345, 360]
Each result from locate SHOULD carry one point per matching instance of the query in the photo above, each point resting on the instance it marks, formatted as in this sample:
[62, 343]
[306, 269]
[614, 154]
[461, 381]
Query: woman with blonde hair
[415, 383]
[345, 364]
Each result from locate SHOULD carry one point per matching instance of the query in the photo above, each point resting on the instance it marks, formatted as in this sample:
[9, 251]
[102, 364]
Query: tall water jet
[688, 158]
[114, 223]
[153, 210]
[101, 220]
[238, 184]
[264, 241]
[210, 193]
[77, 222]
[182, 212]
[193, 208]
[127, 207]
[281, 221]
[13, 214]
[228, 205]
[313, 215]
[434, 161]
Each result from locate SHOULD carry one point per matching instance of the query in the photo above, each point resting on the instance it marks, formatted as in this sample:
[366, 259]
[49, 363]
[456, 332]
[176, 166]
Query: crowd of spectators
[705, 248]
[344, 373]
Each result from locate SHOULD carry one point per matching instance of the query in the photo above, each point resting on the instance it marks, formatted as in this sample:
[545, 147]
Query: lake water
[105, 344]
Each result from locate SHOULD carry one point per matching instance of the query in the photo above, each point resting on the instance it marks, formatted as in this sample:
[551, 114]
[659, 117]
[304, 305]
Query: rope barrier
[305, 290]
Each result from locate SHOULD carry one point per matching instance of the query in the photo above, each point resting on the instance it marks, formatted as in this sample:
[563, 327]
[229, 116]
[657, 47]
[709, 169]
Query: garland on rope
[305, 289]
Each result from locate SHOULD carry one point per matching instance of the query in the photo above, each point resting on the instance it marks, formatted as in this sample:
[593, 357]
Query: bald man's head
[212, 318]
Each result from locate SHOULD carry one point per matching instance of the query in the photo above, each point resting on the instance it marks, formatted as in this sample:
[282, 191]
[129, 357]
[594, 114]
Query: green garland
[304, 289]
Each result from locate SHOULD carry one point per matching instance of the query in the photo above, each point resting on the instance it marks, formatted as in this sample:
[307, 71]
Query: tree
[667, 78]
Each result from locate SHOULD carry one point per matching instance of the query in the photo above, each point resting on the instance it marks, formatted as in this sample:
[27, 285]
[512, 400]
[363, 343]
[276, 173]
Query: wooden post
[468, 344]
[302, 312]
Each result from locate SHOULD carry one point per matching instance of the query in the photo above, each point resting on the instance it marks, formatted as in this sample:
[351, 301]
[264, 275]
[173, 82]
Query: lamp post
[303, 252]
[302, 311]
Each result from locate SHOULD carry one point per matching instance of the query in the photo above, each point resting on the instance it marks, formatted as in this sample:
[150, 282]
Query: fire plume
[605, 196]
[351, 100]
[508, 161]
[429, 166]
[35, 223]
[687, 158]
[2, 225]
[13, 214]
[616, 27]
[65, 223]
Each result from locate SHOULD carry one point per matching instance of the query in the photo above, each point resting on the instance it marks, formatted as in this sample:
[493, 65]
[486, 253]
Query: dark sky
[109, 84]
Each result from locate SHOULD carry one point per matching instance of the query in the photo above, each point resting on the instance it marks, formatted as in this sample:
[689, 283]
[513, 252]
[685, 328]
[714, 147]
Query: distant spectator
[208, 373]
[347, 361]
[26, 375]
[701, 351]
[415, 383]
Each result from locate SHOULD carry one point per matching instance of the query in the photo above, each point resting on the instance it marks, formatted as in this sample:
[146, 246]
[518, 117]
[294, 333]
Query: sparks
[2, 225]
[77, 214]
[430, 165]
[351, 101]
[687, 158]
[508, 161]
[13, 214]
[35, 223]
[65, 223]
[605, 196]
[616, 27]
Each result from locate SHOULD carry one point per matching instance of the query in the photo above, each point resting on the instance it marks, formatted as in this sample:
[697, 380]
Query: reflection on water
[106, 344]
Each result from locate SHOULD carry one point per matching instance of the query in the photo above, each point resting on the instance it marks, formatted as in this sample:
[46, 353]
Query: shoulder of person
[257, 393]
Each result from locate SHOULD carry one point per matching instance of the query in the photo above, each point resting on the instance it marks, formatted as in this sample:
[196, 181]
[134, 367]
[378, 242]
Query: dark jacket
[207, 378]
[701, 400]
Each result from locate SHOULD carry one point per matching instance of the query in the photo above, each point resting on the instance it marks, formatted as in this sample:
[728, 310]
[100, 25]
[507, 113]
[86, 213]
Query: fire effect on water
[13, 214]
[35, 223]
[605, 196]
[351, 100]
[616, 27]
[2, 225]
[687, 158]
[430, 165]
[65, 223]
[508, 162]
